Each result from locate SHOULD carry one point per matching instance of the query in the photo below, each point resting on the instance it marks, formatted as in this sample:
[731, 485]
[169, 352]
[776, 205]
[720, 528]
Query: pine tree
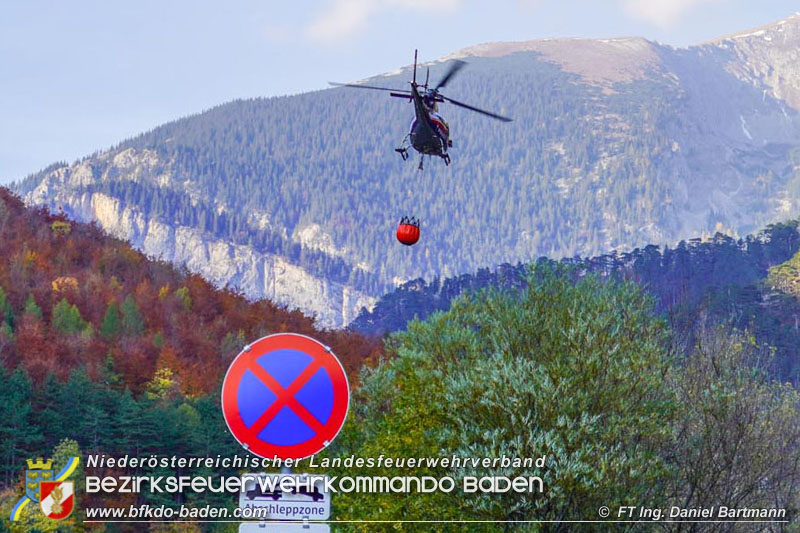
[6, 313]
[47, 410]
[127, 424]
[110, 375]
[158, 340]
[88, 410]
[132, 321]
[6, 320]
[67, 318]
[111, 326]
[18, 437]
[32, 308]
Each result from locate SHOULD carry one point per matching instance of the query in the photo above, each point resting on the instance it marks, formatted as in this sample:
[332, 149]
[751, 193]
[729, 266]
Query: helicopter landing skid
[403, 152]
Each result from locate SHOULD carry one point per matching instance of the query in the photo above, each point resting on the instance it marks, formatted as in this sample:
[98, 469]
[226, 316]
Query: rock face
[257, 274]
[616, 143]
[767, 56]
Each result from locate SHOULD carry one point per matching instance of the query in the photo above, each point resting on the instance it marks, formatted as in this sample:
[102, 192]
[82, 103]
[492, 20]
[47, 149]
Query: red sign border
[247, 358]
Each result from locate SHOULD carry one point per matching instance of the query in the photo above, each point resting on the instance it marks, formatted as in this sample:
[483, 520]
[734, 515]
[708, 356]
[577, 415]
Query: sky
[77, 77]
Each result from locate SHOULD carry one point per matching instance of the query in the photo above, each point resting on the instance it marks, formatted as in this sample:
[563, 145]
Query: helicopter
[429, 133]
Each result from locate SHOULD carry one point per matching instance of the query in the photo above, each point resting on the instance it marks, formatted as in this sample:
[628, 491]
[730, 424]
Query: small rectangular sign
[287, 527]
[298, 502]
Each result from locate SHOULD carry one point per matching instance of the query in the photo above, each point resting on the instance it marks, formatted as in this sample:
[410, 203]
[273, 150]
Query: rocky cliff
[257, 274]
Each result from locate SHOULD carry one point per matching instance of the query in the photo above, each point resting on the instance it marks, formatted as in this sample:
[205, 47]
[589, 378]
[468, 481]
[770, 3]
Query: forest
[106, 351]
[72, 296]
[751, 284]
[100, 344]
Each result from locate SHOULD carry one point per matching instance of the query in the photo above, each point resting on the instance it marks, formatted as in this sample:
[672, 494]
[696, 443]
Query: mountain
[615, 144]
[752, 284]
[72, 298]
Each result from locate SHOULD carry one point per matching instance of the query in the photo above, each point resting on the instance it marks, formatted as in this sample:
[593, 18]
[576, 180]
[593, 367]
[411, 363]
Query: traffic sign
[298, 502]
[286, 527]
[285, 395]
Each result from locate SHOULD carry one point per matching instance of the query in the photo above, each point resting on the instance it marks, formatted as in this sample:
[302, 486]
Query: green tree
[67, 318]
[110, 327]
[158, 340]
[6, 320]
[232, 344]
[182, 294]
[18, 437]
[32, 308]
[786, 276]
[110, 375]
[132, 320]
[84, 410]
[6, 313]
[571, 371]
[48, 410]
[127, 424]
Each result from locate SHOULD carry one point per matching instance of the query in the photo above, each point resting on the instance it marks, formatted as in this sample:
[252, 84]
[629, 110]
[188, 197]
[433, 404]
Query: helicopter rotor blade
[455, 66]
[477, 110]
[359, 86]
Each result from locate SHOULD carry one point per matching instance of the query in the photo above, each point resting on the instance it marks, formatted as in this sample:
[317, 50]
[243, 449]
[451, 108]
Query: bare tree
[738, 439]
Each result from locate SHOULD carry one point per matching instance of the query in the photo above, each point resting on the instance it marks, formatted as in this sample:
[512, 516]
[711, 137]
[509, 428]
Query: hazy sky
[80, 76]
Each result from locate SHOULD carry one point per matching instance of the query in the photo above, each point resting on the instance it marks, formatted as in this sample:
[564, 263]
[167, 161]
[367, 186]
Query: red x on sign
[285, 395]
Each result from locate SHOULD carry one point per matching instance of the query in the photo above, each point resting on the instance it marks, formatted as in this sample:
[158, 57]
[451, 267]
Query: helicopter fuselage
[430, 133]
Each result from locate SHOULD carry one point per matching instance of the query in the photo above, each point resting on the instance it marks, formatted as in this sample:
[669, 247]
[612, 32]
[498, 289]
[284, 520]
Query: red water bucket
[407, 232]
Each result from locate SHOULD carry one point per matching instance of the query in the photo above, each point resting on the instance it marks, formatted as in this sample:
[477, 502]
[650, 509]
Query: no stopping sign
[285, 395]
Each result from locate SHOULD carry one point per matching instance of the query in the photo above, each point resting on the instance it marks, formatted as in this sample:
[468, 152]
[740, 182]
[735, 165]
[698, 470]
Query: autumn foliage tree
[71, 296]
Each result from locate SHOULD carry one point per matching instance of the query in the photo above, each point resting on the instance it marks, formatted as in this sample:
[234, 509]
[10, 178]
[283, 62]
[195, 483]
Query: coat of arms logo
[57, 500]
[38, 471]
[55, 495]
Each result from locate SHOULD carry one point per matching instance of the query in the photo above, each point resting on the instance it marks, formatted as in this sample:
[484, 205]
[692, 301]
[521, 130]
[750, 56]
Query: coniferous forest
[751, 284]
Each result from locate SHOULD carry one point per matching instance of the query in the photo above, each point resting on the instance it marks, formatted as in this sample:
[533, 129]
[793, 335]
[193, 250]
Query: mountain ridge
[640, 151]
